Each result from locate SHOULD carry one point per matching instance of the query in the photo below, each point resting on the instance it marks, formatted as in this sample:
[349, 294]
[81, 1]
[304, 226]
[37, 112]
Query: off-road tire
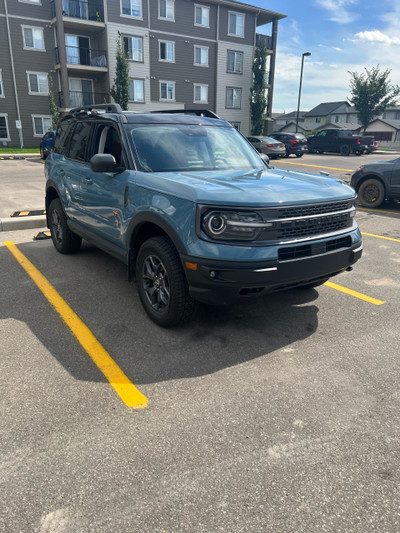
[64, 240]
[162, 286]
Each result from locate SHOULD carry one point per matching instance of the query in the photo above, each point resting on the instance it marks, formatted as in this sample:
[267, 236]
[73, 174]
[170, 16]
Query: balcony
[78, 13]
[81, 98]
[80, 58]
[260, 39]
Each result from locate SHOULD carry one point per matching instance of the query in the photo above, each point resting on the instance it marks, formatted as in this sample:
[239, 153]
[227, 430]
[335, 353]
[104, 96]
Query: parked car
[192, 210]
[376, 181]
[371, 148]
[47, 144]
[295, 143]
[267, 145]
[342, 141]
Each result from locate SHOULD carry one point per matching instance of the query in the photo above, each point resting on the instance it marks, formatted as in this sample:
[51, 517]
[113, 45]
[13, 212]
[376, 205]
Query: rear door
[395, 180]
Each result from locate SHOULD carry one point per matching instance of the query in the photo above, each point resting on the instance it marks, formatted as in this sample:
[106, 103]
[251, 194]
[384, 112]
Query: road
[277, 416]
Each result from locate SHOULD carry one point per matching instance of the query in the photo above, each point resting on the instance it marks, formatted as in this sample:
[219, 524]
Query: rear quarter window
[63, 136]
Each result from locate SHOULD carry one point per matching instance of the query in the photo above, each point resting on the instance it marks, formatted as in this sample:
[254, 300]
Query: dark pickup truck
[342, 141]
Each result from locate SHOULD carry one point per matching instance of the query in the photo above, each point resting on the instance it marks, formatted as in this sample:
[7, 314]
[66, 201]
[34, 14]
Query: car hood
[247, 188]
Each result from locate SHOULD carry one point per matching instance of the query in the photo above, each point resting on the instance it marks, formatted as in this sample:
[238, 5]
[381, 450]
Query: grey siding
[249, 26]
[114, 8]
[184, 20]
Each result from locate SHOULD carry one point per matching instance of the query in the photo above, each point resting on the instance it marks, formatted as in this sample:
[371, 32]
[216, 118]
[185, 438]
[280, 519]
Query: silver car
[267, 145]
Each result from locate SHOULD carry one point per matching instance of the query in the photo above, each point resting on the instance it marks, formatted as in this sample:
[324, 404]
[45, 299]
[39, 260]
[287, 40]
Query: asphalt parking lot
[280, 415]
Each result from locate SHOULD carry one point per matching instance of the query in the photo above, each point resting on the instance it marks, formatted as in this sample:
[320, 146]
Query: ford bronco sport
[191, 208]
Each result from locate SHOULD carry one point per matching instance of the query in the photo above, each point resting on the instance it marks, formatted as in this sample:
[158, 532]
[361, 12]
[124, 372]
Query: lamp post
[306, 54]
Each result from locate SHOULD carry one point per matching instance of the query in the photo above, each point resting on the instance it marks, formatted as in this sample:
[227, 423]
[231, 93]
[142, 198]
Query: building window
[41, 124]
[201, 56]
[167, 51]
[236, 24]
[337, 118]
[235, 62]
[133, 47]
[38, 83]
[136, 90]
[167, 90]
[236, 125]
[1, 85]
[132, 8]
[318, 120]
[4, 128]
[200, 94]
[233, 97]
[37, 2]
[33, 38]
[166, 9]
[202, 16]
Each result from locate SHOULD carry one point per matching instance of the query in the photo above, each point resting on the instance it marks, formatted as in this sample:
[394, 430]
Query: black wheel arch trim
[153, 218]
[50, 184]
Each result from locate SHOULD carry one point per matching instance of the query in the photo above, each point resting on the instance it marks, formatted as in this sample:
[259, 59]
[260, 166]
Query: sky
[342, 36]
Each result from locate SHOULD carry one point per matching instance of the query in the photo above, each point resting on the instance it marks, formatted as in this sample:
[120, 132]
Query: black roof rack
[107, 108]
[197, 112]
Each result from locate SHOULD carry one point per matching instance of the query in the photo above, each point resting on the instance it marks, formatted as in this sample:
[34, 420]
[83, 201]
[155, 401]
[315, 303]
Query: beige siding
[225, 79]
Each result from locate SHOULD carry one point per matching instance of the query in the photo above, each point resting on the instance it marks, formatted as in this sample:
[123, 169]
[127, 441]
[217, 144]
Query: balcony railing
[77, 55]
[81, 98]
[260, 39]
[81, 9]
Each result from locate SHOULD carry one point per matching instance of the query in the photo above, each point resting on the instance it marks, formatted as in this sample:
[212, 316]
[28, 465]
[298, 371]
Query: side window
[108, 141]
[61, 143]
[79, 141]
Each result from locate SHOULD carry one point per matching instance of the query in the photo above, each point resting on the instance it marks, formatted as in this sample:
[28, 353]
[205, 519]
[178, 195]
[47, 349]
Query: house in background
[385, 131]
[332, 112]
[182, 54]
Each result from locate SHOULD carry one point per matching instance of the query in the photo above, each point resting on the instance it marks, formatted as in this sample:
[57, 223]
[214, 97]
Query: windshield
[177, 147]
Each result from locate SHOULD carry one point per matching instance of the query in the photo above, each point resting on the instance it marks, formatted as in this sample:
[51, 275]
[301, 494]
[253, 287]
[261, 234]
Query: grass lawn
[16, 150]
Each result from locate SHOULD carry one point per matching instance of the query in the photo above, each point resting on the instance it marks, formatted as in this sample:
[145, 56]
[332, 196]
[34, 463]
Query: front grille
[307, 250]
[314, 209]
[313, 226]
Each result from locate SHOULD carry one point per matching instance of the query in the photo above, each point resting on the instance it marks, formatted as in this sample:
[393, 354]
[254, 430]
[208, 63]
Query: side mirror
[103, 163]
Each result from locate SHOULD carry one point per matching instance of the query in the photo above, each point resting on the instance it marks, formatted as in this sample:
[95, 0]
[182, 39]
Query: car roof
[115, 113]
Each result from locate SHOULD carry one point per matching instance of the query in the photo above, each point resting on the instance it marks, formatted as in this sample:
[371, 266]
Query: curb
[7, 157]
[13, 224]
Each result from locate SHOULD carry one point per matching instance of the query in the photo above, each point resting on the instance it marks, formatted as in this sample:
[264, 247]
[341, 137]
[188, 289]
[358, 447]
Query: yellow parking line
[354, 293]
[316, 166]
[377, 211]
[380, 237]
[125, 389]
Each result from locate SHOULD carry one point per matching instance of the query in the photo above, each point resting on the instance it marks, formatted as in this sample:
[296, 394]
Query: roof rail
[107, 108]
[198, 112]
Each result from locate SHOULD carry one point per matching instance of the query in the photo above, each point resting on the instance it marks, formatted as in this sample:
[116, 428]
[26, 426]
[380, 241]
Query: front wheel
[371, 193]
[299, 155]
[64, 240]
[162, 286]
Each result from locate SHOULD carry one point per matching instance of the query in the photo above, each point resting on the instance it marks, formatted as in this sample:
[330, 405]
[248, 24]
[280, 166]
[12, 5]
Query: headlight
[232, 225]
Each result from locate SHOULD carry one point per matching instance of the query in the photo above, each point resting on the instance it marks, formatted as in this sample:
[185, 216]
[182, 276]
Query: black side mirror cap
[103, 163]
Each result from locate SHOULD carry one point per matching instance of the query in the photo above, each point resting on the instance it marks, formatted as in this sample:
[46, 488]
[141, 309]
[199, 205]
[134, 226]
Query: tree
[258, 99]
[120, 89]
[372, 93]
[55, 114]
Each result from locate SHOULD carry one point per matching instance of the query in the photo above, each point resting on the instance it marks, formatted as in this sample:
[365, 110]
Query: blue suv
[188, 204]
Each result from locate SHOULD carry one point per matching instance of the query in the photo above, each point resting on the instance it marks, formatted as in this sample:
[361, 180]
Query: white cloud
[376, 36]
[339, 10]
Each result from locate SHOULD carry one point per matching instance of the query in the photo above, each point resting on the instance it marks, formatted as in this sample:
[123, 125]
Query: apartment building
[182, 54]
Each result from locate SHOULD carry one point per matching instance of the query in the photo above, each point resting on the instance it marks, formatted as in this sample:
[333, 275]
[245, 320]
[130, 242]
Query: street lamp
[306, 54]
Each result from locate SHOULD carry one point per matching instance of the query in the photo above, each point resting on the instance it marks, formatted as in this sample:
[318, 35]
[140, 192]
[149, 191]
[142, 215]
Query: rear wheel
[162, 286]
[299, 155]
[345, 149]
[359, 152]
[371, 193]
[64, 240]
[42, 154]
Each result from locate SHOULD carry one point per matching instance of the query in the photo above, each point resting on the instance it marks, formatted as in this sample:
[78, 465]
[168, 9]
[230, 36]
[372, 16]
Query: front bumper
[223, 283]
